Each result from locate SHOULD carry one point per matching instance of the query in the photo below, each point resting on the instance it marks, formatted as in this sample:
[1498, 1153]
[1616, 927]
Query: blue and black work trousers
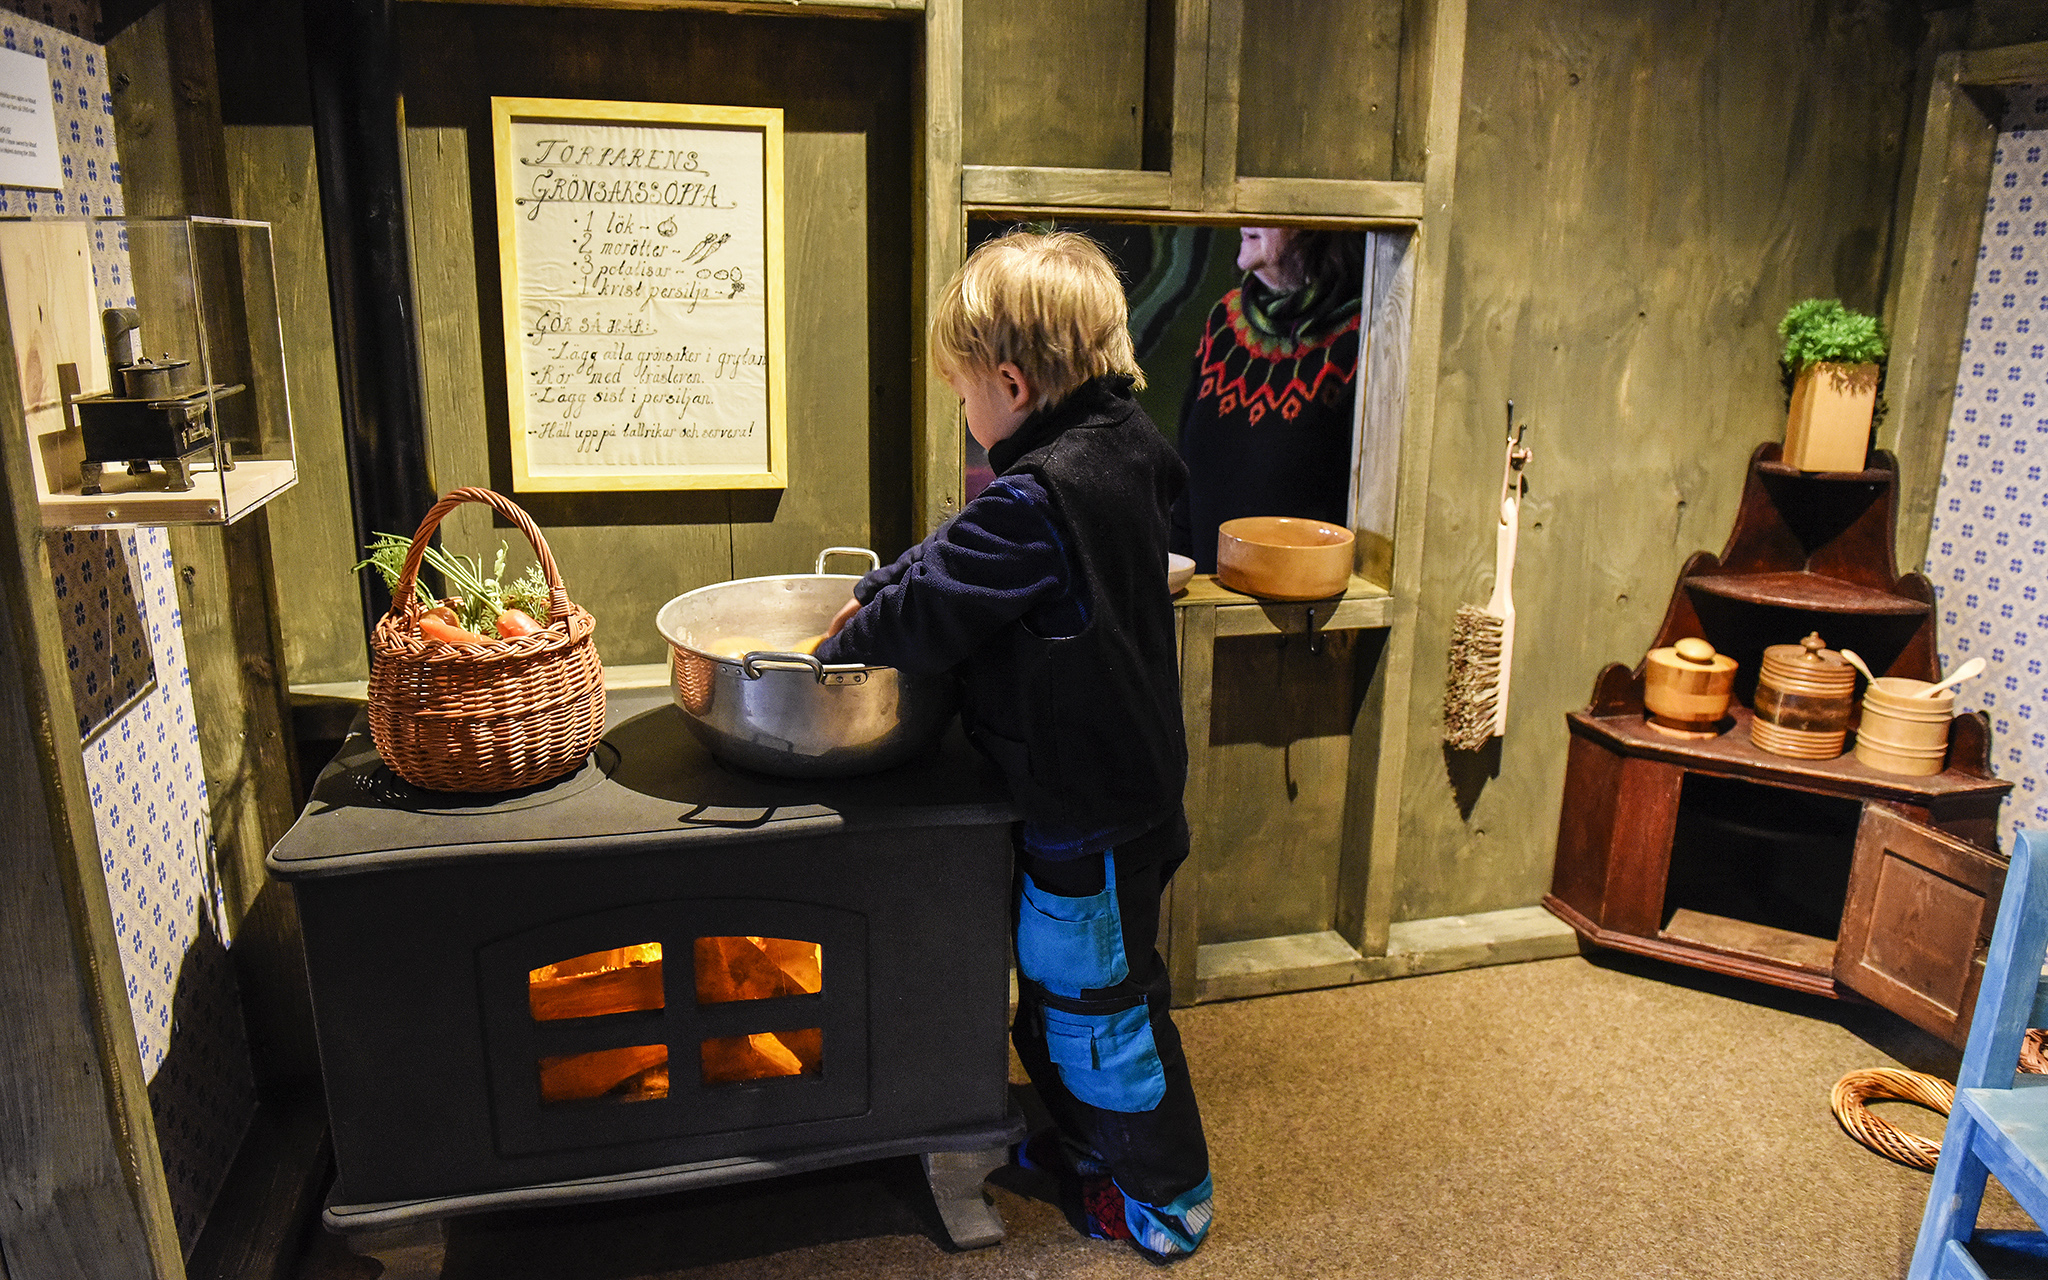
[1093, 1027]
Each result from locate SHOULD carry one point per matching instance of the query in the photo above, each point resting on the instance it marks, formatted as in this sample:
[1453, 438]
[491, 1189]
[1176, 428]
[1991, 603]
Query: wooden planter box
[1829, 426]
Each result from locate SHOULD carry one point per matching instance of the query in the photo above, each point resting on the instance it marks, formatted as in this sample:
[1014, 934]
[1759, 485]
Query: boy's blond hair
[1048, 302]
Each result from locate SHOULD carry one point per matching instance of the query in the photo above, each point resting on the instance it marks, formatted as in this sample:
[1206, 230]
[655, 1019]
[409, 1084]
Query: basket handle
[558, 595]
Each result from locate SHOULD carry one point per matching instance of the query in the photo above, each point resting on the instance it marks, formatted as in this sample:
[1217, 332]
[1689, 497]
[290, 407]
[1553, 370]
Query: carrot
[434, 628]
[514, 623]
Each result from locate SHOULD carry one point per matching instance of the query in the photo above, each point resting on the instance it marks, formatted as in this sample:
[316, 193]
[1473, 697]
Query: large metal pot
[783, 712]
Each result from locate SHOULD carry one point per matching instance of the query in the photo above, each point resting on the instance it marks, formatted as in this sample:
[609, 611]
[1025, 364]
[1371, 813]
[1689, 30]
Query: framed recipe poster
[640, 247]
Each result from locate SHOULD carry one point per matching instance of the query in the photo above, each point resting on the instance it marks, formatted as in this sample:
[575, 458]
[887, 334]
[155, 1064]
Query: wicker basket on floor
[496, 716]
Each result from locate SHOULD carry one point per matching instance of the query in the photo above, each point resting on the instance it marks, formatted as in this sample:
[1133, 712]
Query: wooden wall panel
[1061, 82]
[1642, 192]
[1317, 89]
[271, 179]
[1278, 756]
[845, 87]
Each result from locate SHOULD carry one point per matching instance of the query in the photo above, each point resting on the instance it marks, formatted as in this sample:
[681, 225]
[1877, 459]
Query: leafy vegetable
[1823, 330]
[477, 599]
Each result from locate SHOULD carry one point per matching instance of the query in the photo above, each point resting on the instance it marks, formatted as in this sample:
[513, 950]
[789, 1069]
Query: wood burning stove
[654, 973]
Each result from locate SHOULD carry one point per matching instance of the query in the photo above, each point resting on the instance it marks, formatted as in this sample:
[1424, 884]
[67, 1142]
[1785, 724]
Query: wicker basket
[496, 716]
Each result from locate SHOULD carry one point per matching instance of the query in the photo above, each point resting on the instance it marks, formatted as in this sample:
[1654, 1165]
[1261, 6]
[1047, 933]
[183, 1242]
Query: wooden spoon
[1849, 656]
[1960, 674]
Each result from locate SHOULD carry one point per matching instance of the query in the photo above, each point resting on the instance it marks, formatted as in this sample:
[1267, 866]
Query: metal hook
[1315, 637]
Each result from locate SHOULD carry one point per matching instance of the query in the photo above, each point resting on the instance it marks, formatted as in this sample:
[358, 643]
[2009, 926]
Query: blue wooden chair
[2000, 1121]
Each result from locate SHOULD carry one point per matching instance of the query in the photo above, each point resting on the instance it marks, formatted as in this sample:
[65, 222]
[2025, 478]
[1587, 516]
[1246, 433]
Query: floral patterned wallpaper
[1988, 557]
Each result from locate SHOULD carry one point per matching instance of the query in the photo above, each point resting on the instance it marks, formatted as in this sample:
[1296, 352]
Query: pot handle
[874, 561]
[754, 663]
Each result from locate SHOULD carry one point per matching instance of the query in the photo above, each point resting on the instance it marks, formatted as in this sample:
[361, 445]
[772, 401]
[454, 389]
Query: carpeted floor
[1572, 1118]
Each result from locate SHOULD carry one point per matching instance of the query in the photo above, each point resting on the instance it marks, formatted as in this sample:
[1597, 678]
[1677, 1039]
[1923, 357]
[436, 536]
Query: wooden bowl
[1180, 570]
[1283, 557]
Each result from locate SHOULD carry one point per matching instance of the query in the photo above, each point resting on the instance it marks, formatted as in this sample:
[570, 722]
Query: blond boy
[1047, 597]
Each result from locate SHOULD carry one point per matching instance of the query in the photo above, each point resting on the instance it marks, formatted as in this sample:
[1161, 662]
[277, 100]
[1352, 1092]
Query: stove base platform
[409, 1237]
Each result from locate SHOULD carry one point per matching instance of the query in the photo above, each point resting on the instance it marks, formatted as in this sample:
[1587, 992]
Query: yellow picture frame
[640, 351]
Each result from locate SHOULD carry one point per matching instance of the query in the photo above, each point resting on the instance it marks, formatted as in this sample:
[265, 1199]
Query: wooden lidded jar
[1803, 698]
[1686, 687]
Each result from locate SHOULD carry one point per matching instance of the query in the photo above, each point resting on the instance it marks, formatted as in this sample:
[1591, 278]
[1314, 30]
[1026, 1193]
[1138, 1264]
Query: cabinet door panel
[1918, 921]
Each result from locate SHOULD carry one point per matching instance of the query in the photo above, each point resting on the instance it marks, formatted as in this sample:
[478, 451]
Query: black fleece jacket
[1047, 596]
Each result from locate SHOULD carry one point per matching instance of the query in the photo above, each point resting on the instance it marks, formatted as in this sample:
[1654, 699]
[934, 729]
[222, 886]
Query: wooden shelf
[1364, 605]
[1732, 754]
[1856, 477]
[1813, 592]
[1654, 844]
[1761, 942]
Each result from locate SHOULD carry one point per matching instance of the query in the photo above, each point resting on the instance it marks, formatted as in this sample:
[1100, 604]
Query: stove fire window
[621, 980]
[749, 968]
[638, 1073]
[765, 1055]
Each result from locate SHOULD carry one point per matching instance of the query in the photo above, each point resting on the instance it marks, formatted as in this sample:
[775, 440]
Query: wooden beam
[1305, 962]
[1197, 689]
[2013, 64]
[1219, 117]
[82, 1189]
[1930, 297]
[936, 492]
[1027, 185]
[1190, 100]
[1358, 199]
[1442, 25]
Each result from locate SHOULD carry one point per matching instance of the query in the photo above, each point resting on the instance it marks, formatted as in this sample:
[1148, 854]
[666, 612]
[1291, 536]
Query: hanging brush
[1483, 637]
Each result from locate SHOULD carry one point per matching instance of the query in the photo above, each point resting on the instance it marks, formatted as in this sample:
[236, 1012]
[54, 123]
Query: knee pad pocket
[1107, 1060]
[1071, 945]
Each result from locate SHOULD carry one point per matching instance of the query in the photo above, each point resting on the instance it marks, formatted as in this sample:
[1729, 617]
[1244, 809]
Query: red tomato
[435, 628]
[514, 623]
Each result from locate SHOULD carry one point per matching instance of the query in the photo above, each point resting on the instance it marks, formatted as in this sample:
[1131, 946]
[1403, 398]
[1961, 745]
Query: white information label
[28, 124]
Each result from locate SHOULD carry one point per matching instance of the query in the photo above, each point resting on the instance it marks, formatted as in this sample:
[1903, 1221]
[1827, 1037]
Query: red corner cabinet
[1823, 876]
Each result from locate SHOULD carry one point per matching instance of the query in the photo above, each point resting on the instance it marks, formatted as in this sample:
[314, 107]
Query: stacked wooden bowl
[1804, 694]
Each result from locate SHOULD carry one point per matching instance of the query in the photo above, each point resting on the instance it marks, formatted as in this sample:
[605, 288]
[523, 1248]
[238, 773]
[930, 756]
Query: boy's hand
[840, 619]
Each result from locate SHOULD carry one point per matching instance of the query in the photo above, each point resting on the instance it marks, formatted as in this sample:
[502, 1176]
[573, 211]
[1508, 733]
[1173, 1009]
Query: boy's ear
[1017, 391]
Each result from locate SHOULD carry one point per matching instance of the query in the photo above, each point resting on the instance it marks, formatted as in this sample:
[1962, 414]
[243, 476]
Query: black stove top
[648, 783]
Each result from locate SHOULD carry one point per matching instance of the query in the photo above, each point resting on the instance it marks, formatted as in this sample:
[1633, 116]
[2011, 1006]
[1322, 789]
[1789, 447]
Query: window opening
[750, 968]
[621, 980]
[637, 1073]
[765, 1055]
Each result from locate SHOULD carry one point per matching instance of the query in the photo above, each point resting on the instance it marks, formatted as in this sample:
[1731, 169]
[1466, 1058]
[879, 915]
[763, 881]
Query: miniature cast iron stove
[157, 418]
[654, 974]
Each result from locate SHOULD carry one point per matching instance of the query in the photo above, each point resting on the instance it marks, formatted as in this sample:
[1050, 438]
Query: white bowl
[1180, 570]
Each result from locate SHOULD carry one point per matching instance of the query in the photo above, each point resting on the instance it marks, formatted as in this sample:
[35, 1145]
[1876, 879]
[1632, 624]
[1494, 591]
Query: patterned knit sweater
[1267, 422]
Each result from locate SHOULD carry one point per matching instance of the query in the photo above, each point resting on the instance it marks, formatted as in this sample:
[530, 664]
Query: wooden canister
[1902, 732]
[1804, 694]
[1686, 687]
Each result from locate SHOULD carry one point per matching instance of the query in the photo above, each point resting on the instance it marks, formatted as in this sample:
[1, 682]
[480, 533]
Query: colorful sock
[1104, 1209]
[1165, 1232]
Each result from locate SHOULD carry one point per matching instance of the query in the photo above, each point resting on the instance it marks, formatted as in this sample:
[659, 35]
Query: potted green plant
[1834, 356]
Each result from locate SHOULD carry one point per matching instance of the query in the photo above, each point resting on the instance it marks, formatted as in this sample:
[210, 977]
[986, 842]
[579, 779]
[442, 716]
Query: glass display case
[151, 365]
